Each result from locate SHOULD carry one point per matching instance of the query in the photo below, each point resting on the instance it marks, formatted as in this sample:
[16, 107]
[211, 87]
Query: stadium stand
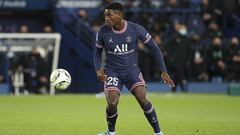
[209, 23]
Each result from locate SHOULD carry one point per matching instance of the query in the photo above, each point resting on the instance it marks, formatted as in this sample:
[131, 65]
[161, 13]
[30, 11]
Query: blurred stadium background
[199, 40]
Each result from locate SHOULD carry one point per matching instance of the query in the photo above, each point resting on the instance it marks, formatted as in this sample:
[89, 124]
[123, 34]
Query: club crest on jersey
[110, 40]
[128, 39]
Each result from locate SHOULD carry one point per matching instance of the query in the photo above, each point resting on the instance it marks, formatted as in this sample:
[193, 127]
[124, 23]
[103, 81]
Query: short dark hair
[115, 6]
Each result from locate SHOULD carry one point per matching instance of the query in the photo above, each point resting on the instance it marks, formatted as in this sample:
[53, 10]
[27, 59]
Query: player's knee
[144, 101]
[113, 104]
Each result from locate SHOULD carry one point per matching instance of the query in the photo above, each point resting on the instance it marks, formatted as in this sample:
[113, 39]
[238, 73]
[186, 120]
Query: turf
[180, 114]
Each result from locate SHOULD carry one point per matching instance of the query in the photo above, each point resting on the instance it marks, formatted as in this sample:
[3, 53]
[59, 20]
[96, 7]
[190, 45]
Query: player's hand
[167, 79]
[101, 75]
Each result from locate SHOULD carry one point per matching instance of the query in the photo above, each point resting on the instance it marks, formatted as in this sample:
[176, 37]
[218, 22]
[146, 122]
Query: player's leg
[111, 109]
[136, 84]
[149, 111]
[112, 97]
[112, 88]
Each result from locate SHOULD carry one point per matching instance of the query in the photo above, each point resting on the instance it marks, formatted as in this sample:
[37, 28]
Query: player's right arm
[98, 57]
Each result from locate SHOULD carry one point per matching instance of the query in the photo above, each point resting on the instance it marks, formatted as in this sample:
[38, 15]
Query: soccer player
[119, 38]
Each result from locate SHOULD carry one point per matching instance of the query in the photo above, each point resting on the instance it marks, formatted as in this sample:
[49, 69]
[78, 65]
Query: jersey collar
[121, 31]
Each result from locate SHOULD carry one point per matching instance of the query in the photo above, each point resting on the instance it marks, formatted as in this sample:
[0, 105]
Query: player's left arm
[150, 43]
[159, 57]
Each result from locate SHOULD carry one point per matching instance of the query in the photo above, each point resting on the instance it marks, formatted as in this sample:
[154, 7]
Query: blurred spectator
[160, 24]
[170, 4]
[217, 60]
[213, 30]
[195, 25]
[13, 64]
[13, 58]
[233, 64]
[178, 48]
[23, 29]
[173, 19]
[47, 29]
[82, 14]
[3, 67]
[129, 4]
[198, 60]
[34, 68]
[185, 3]
[145, 19]
[212, 11]
[206, 11]
[145, 4]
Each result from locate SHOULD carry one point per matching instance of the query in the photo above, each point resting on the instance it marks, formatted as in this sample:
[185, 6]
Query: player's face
[111, 18]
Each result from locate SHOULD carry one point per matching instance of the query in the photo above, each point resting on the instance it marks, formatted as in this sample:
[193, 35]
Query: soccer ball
[60, 79]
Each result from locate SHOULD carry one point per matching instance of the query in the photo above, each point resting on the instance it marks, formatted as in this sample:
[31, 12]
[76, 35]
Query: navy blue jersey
[121, 46]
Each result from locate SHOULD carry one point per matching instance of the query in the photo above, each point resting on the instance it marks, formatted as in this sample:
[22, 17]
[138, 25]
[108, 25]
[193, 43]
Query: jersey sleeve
[99, 40]
[98, 51]
[143, 35]
[146, 38]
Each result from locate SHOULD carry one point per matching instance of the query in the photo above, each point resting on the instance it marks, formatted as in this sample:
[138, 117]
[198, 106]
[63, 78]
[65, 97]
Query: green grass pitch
[180, 114]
